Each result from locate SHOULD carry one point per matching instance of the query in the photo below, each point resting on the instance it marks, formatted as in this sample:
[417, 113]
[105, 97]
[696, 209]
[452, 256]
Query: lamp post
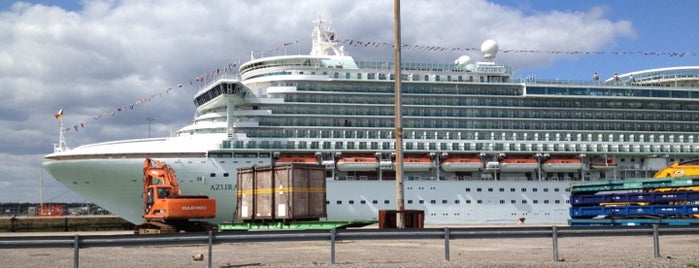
[150, 120]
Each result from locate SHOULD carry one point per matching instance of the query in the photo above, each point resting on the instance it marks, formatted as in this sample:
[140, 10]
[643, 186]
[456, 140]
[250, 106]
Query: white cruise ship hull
[116, 185]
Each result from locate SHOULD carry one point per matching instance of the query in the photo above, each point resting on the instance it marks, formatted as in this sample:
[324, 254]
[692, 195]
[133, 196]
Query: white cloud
[109, 53]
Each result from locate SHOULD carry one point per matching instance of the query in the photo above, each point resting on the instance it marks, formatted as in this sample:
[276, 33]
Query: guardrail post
[332, 245]
[656, 242]
[76, 251]
[554, 231]
[211, 240]
[446, 243]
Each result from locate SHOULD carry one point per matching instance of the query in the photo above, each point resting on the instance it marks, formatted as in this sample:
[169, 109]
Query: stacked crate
[292, 191]
[667, 201]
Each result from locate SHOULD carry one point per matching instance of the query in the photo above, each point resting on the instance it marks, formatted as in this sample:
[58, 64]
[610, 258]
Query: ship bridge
[219, 93]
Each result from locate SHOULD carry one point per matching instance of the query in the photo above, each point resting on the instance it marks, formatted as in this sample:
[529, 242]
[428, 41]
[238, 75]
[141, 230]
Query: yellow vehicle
[688, 168]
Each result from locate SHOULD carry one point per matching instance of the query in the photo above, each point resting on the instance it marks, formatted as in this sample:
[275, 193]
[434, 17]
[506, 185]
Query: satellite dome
[489, 48]
[462, 60]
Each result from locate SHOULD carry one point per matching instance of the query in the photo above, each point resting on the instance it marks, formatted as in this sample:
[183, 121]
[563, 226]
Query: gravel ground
[676, 251]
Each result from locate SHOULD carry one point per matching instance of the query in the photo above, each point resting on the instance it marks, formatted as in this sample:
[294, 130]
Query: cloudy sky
[91, 57]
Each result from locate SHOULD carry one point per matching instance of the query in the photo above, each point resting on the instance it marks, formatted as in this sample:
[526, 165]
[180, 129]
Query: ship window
[362, 202]
[524, 189]
[513, 202]
[479, 190]
[534, 189]
[327, 202]
[226, 174]
[502, 201]
[567, 189]
[501, 189]
[339, 202]
[490, 189]
[546, 189]
[410, 201]
[512, 189]
[535, 201]
[444, 201]
[213, 175]
[524, 201]
[546, 201]
[351, 202]
[567, 201]
[468, 189]
[421, 201]
[386, 202]
[556, 189]
[557, 201]
[479, 201]
[457, 201]
[433, 201]
[374, 202]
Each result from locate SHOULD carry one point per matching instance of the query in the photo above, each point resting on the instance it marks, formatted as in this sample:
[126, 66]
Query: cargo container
[293, 191]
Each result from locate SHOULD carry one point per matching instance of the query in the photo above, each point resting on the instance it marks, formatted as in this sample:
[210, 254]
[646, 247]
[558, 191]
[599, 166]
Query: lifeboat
[287, 159]
[605, 163]
[462, 163]
[357, 164]
[417, 163]
[518, 164]
[561, 165]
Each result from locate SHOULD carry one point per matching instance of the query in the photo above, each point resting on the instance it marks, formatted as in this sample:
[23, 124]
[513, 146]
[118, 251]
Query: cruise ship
[479, 145]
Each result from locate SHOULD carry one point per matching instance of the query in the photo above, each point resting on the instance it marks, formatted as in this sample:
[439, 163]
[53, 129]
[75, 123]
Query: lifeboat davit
[462, 163]
[287, 159]
[518, 164]
[357, 164]
[562, 165]
[417, 163]
[606, 163]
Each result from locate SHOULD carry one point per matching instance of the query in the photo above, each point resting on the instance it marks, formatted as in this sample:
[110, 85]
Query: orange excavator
[166, 210]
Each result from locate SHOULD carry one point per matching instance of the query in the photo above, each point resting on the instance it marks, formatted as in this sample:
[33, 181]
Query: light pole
[150, 120]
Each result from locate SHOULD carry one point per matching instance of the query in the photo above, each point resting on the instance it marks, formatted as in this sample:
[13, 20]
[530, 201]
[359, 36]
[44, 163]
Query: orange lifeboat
[462, 163]
[287, 159]
[570, 164]
[603, 163]
[518, 164]
[417, 163]
[357, 164]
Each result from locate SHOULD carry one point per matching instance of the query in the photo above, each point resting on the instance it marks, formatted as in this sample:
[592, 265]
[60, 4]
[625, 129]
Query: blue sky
[92, 56]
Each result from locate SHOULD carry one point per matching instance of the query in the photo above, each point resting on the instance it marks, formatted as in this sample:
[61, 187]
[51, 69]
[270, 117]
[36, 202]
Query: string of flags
[195, 81]
[230, 67]
[439, 48]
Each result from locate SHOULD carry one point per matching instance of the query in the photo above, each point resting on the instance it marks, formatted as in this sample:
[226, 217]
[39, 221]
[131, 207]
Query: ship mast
[61, 146]
[400, 223]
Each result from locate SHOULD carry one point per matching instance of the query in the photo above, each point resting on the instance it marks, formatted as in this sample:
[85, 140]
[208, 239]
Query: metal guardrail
[554, 232]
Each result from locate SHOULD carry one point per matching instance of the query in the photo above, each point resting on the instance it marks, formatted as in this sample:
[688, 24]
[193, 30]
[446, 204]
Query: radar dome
[489, 48]
[462, 60]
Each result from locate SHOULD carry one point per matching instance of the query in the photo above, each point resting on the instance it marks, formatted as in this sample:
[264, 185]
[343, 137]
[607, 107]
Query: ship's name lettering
[194, 208]
[491, 69]
[221, 187]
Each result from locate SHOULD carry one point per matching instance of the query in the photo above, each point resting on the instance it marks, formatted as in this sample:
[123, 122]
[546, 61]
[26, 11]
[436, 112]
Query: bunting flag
[203, 78]
[211, 75]
[59, 114]
[441, 48]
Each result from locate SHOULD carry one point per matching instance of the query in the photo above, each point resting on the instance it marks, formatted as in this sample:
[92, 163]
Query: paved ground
[676, 251]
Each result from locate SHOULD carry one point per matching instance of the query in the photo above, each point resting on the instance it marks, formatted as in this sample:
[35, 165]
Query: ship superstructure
[479, 145]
